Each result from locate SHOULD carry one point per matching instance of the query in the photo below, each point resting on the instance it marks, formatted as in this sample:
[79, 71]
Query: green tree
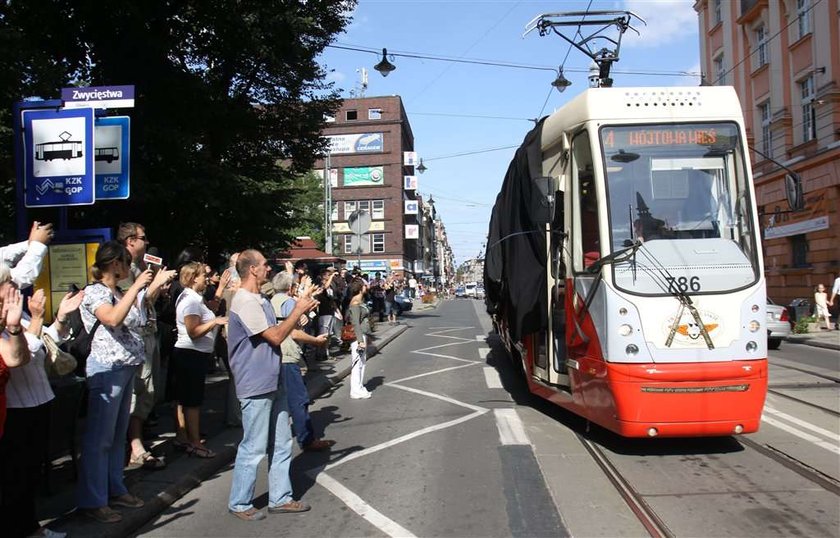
[230, 101]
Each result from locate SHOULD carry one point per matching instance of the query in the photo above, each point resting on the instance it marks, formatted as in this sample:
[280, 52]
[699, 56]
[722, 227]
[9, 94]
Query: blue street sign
[98, 97]
[58, 157]
[111, 157]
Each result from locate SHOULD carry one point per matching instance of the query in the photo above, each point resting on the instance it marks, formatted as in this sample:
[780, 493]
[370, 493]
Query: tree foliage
[229, 105]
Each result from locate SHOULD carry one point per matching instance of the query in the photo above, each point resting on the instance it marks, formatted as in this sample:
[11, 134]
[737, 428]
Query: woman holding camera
[114, 318]
[197, 328]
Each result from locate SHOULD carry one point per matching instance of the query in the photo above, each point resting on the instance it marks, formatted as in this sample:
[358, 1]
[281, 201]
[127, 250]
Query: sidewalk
[159, 489]
[823, 339]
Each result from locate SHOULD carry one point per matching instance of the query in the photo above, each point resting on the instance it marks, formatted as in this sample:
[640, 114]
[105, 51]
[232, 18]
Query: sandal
[180, 446]
[200, 452]
[147, 461]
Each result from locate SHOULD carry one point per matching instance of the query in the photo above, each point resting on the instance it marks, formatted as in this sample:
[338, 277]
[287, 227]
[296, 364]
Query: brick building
[783, 58]
[368, 139]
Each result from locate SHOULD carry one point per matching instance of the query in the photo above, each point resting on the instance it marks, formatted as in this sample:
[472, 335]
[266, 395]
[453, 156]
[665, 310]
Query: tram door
[585, 244]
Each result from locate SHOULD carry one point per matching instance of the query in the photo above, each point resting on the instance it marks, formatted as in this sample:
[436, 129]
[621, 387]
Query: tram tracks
[649, 519]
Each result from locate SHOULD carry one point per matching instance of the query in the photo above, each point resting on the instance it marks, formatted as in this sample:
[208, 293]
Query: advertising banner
[410, 183]
[356, 143]
[411, 207]
[412, 231]
[409, 158]
[813, 218]
[363, 176]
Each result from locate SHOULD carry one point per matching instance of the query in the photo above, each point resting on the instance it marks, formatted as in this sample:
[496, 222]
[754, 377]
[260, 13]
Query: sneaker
[251, 514]
[291, 507]
[126, 501]
[103, 514]
[361, 396]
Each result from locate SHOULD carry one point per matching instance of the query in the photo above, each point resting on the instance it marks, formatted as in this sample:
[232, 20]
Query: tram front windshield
[679, 189]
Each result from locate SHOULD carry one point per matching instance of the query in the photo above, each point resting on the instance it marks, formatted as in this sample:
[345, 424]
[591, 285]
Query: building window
[378, 209]
[364, 205]
[766, 134]
[349, 207]
[720, 71]
[348, 244]
[761, 45]
[799, 249]
[352, 115]
[717, 13]
[374, 113]
[809, 127]
[803, 12]
[377, 242]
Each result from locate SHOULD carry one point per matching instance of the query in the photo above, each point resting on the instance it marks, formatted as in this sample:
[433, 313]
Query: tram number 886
[683, 284]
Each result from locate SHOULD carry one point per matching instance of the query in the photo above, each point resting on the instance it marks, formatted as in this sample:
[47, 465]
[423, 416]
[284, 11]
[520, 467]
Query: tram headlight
[751, 346]
[622, 311]
[754, 326]
[632, 350]
[625, 330]
[755, 308]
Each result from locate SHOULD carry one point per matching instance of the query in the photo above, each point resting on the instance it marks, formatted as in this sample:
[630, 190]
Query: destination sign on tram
[659, 136]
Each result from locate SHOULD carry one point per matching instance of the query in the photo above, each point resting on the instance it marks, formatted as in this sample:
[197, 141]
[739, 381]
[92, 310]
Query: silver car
[778, 324]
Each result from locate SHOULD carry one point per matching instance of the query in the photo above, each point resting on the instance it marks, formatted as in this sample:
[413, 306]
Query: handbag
[348, 333]
[58, 362]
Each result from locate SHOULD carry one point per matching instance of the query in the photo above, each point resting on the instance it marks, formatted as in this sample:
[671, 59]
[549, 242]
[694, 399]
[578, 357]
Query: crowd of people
[144, 334]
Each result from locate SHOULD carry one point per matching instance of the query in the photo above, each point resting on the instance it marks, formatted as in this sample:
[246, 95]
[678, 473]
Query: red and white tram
[624, 264]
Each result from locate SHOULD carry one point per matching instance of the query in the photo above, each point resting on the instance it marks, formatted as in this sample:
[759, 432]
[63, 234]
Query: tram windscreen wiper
[618, 256]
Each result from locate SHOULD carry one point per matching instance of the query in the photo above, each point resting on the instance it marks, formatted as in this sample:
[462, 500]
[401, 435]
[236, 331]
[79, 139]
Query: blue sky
[457, 108]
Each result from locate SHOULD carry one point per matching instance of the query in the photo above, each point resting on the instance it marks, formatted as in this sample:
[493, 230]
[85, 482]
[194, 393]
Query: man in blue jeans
[254, 340]
[293, 368]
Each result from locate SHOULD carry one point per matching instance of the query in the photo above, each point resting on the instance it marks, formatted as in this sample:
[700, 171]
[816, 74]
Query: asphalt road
[451, 444]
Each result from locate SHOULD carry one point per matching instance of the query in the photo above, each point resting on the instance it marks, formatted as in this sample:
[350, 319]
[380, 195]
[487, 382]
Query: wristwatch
[14, 333]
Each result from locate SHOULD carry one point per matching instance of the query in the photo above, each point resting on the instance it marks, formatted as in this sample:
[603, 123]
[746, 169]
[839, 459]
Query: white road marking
[480, 337]
[491, 377]
[511, 430]
[439, 397]
[483, 352]
[404, 438]
[802, 435]
[435, 372]
[799, 422]
[355, 503]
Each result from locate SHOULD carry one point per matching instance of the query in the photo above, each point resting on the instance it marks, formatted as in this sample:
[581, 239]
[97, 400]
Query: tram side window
[586, 215]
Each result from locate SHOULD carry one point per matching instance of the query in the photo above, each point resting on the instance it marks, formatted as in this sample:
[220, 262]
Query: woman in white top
[197, 327]
[29, 398]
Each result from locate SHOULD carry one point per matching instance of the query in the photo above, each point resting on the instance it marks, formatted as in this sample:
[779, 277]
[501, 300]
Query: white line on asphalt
[449, 328]
[511, 430]
[439, 397]
[799, 422]
[480, 337]
[404, 438]
[435, 372]
[355, 503]
[802, 435]
[491, 376]
[483, 352]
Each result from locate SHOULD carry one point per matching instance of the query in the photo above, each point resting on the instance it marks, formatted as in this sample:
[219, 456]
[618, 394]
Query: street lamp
[561, 82]
[421, 167]
[384, 66]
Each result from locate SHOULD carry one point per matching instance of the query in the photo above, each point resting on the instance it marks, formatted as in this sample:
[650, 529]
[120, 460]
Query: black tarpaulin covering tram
[515, 259]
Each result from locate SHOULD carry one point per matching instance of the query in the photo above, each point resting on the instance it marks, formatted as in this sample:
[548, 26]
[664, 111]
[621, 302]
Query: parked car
[460, 292]
[403, 302]
[469, 289]
[479, 292]
[778, 324]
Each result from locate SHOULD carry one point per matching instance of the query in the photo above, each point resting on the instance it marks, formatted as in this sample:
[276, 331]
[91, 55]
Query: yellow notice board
[64, 266]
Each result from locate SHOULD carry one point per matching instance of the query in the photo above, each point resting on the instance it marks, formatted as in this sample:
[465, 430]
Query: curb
[224, 444]
[813, 342]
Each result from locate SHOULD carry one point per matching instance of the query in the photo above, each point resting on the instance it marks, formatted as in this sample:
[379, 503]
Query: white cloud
[336, 76]
[667, 21]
